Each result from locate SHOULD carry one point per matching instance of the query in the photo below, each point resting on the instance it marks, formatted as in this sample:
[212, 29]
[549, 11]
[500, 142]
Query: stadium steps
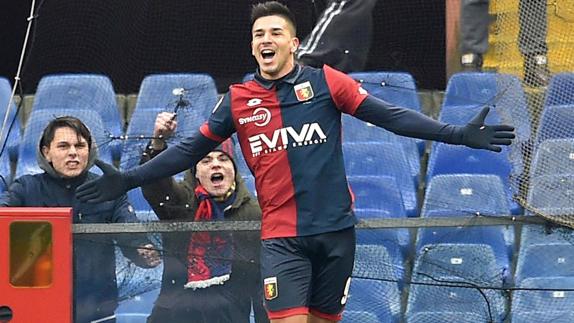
[503, 54]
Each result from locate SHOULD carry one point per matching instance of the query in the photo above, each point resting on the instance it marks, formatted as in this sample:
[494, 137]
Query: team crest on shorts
[270, 288]
[304, 91]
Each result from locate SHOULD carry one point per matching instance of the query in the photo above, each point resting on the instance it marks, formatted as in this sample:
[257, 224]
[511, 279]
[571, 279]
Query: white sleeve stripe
[323, 28]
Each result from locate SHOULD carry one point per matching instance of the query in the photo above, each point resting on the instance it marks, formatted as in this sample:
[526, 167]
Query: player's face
[68, 152]
[273, 44]
[215, 173]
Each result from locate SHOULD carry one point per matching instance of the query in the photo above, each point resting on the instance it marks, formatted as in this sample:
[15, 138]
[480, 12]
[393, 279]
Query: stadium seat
[499, 238]
[554, 157]
[10, 136]
[39, 119]
[451, 294]
[560, 90]
[381, 298]
[552, 193]
[469, 262]
[378, 193]
[451, 159]
[550, 316]
[556, 122]
[555, 295]
[545, 253]
[157, 92]
[5, 171]
[82, 92]
[468, 195]
[454, 316]
[397, 88]
[369, 158]
[504, 91]
[250, 183]
[157, 95]
[239, 159]
[360, 316]
[378, 262]
[136, 309]
[472, 193]
[356, 130]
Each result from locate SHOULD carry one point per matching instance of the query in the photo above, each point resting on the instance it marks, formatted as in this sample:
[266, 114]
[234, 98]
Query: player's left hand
[478, 135]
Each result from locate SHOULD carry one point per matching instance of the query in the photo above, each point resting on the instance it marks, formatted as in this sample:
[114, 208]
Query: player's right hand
[109, 186]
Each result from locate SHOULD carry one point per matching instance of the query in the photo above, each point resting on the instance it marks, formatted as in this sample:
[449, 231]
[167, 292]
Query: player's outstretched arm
[113, 183]
[410, 123]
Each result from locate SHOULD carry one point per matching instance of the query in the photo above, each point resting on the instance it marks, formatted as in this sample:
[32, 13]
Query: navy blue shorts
[308, 274]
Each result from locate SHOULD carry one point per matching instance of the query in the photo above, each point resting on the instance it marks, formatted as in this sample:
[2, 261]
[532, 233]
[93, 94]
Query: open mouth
[217, 178]
[267, 54]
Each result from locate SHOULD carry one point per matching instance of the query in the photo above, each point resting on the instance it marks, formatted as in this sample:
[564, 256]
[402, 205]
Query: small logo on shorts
[270, 288]
[346, 292]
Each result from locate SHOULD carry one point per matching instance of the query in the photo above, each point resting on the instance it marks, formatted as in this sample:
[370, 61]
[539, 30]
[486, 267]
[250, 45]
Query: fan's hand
[478, 135]
[109, 186]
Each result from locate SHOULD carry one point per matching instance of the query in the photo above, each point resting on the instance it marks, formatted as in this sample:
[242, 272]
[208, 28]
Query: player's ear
[294, 44]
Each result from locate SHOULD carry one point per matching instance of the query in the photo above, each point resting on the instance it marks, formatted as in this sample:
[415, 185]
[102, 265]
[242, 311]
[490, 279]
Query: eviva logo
[311, 133]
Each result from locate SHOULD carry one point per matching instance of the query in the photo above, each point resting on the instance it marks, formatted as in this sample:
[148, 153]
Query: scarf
[209, 253]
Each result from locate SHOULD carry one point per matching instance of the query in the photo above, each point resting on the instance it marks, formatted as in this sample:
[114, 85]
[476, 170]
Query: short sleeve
[345, 92]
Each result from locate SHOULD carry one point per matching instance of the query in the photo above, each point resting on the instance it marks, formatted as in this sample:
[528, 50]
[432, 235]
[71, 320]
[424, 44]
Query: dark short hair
[272, 8]
[65, 122]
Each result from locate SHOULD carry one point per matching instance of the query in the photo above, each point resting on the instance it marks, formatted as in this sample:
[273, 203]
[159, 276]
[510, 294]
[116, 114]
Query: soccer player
[288, 121]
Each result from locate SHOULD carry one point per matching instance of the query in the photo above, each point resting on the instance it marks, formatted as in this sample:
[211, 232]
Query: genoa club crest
[304, 91]
[270, 288]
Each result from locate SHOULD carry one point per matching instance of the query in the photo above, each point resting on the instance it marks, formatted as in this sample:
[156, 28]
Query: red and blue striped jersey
[290, 135]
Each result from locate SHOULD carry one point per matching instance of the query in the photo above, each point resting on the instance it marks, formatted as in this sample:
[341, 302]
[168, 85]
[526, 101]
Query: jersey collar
[289, 78]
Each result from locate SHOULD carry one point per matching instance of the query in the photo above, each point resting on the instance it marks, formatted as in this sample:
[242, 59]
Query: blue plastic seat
[451, 159]
[356, 130]
[549, 316]
[560, 89]
[360, 317]
[554, 157]
[11, 135]
[555, 295]
[552, 193]
[378, 193]
[250, 183]
[556, 122]
[552, 248]
[157, 95]
[381, 298]
[39, 119]
[369, 158]
[451, 316]
[82, 92]
[504, 91]
[5, 172]
[472, 193]
[378, 262]
[137, 308]
[470, 262]
[398, 88]
[458, 296]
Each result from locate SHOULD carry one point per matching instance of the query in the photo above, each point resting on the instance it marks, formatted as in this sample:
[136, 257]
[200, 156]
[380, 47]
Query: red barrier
[35, 265]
